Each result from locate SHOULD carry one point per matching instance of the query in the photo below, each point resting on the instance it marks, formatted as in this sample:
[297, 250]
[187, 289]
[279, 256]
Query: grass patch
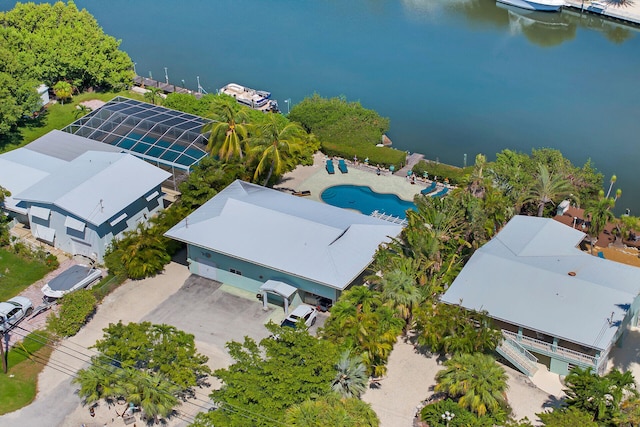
[19, 386]
[106, 286]
[17, 273]
[56, 116]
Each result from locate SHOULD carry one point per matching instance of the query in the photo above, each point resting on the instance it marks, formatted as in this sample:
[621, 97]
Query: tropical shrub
[75, 309]
[332, 411]
[567, 417]
[346, 129]
[454, 174]
[477, 383]
[432, 414]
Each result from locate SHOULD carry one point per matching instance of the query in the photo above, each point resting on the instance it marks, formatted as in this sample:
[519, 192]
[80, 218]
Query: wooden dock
[165, 87]
[627, 11]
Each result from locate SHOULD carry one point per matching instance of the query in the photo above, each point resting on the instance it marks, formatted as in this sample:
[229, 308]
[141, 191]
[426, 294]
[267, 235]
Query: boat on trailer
[72, 279]
[540, 5]
[256, 99]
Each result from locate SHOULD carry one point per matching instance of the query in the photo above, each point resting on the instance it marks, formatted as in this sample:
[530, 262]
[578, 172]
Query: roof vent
[572, 273]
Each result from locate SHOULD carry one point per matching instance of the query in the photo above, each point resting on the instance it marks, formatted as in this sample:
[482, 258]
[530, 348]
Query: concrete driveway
[214, 315]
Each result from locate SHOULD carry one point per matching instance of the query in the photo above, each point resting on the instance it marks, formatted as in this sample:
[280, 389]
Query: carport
[278, 288]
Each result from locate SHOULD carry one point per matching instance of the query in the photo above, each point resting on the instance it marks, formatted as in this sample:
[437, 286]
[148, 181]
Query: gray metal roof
[522, 277]
[151, 132]
[96, 186]
[308, 239]
[66, 146]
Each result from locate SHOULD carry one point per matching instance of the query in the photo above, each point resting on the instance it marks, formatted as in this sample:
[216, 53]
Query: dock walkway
[622, 10]
[412, 159]
[165, 87]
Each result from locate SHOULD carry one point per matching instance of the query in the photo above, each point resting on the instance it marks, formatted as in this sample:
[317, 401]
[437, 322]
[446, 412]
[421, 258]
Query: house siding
[253, 276]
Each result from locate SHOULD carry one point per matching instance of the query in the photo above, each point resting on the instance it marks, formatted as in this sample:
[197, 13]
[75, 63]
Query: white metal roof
[279, 288]
[66, 146]
[308, 239]
[522, 277]
[96, 186]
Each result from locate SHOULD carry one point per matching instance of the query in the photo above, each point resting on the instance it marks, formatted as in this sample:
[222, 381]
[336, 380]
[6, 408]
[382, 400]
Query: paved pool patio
[315, 179]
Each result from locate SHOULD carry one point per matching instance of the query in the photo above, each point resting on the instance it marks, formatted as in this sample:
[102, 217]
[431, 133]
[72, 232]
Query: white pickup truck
[13, 311]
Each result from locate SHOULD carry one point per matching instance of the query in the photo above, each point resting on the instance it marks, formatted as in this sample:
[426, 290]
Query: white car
[303, 311]
[13, 311]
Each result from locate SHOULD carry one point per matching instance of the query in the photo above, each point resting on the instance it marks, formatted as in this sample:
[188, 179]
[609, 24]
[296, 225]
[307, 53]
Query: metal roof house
[555, 304]
[77, 196]
[248, 235]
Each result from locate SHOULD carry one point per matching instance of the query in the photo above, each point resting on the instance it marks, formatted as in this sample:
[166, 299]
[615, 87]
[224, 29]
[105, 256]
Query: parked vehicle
[323, 304]
[303, 311]
[13, 311]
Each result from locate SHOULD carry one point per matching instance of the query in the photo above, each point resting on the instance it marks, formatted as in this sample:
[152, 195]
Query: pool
[363, 199]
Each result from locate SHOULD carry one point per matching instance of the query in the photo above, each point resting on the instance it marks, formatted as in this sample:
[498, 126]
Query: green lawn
[17, 273]
[57, 116]
[18, 387]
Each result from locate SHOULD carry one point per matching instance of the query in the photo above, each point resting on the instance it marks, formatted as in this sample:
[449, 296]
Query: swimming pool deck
[316, 179]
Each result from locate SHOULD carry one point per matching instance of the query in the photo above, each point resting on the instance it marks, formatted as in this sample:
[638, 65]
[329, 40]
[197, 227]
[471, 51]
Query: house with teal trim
[76, 194]
[269, 242]
[556, 305]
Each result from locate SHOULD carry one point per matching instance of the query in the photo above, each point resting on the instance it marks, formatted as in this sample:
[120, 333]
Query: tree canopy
[267, 378]
[51, 43]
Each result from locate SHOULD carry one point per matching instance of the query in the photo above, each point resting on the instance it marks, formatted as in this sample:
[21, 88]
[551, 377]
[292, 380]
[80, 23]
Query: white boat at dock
[256, 99]
[540, 5]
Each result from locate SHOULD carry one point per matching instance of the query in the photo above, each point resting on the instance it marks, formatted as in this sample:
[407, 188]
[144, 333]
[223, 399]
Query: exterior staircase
[518, 356]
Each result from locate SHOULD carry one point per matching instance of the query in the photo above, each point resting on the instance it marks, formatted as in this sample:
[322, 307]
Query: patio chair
[429, 188]
[342, 166]
[330, 169]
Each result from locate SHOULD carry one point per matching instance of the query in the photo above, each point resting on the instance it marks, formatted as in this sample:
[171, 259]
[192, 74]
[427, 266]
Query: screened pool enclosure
[166, 138]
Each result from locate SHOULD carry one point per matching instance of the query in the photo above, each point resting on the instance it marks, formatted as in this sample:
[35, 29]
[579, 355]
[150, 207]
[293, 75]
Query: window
[234, 271]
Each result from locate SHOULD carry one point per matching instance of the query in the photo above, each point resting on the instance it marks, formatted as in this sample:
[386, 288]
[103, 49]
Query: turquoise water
[456, 77]
[364, 200]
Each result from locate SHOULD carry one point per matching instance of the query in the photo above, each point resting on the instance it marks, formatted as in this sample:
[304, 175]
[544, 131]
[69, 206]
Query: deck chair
[342, 166]
[330, 169]
[429, 189]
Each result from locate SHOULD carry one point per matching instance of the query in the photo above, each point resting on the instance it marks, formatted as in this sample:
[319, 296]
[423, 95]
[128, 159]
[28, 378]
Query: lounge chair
[441, 193]
[302, 193]
[601, 255]
[342, 166]
[429, 189]
[330, 168]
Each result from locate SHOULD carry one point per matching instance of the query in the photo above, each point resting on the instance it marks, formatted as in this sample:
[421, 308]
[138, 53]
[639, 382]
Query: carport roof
[279, 288]
[303, 238]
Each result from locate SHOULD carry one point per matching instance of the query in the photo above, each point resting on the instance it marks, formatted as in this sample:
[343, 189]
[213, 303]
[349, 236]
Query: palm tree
[153, 94]
[96, 382]
[155, 396]
[546, 188]
[332, 411]
[611, 182]
[63, 90]
[275, 142]
[400, 292]
[228, 129]
[351, 376]
[600, 215]
[476, 380]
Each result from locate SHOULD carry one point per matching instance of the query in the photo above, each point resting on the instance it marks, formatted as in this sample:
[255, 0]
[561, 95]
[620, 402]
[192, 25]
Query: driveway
[213, 315]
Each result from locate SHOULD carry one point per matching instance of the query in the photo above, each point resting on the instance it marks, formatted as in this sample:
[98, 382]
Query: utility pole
[2, 354]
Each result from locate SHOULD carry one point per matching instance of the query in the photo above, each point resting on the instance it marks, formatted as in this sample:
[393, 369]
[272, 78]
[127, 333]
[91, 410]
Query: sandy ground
[410, 380]
[55, 399]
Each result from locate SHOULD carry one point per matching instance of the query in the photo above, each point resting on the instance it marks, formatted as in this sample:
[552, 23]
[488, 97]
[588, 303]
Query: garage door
[205, 268]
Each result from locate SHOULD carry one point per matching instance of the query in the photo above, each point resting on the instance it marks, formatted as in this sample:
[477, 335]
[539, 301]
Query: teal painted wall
[253, 276]
[559, 367]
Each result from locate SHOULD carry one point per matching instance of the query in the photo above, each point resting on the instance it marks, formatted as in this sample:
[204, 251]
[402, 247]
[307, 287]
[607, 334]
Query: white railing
[520, 348]
[548, 348]
[515, 353]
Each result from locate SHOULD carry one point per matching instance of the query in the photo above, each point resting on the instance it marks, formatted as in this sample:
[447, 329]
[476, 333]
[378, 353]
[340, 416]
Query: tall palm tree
[476, 380]
[351, 376]
[275, 142]
[153, 94]
[600, 215]
[96, 382]
[155, 396]
[611, 182]
[229, 128]
[546, 188]
[399, 290]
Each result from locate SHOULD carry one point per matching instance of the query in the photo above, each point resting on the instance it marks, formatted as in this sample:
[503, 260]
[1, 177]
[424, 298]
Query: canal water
[456, 77]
